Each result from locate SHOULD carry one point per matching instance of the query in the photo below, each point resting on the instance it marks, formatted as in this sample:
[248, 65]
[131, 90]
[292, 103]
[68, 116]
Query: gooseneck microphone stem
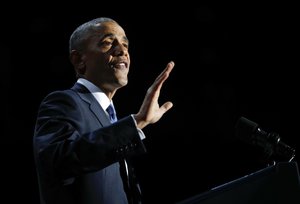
[250, 132]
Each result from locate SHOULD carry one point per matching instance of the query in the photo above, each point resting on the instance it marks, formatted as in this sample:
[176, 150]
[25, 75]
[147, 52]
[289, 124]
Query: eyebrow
[110, 35]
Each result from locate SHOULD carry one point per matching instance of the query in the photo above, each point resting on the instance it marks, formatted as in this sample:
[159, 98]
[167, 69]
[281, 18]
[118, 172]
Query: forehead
[108, 29]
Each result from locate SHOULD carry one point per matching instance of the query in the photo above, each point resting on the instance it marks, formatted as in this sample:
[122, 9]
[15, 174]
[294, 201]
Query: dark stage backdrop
[230, 62]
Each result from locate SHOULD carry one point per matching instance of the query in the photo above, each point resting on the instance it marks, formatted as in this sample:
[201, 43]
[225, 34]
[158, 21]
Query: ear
[77, 62]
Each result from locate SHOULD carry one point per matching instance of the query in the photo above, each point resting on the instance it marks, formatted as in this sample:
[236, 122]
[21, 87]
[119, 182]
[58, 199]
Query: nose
[120, 50]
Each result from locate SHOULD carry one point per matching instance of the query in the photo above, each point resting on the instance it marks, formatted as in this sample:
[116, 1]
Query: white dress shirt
[104, 101]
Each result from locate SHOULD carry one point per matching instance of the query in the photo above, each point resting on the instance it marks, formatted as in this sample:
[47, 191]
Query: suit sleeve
[68, 140]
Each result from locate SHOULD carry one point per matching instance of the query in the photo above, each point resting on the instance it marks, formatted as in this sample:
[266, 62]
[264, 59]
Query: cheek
[100, 62]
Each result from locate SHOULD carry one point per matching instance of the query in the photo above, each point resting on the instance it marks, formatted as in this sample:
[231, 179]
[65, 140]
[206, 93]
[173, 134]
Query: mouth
[119, 65]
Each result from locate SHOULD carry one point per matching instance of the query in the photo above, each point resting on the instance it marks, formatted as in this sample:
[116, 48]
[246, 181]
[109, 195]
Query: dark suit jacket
[77, 149]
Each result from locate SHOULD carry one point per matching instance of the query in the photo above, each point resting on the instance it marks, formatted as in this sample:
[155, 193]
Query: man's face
[106, 56]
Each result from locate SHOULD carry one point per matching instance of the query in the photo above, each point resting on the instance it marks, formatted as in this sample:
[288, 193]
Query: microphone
[251, 133]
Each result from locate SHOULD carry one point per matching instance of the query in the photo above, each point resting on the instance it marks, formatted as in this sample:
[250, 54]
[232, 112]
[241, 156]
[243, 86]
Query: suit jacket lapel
[95, 107]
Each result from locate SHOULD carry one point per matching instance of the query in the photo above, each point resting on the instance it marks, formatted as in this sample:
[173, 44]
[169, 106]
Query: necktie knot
[112, 113]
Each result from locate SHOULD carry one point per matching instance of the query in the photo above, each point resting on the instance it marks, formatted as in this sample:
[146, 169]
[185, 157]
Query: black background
[230, 61]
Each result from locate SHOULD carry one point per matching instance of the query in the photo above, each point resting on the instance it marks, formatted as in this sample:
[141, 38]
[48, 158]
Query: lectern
[276, 184]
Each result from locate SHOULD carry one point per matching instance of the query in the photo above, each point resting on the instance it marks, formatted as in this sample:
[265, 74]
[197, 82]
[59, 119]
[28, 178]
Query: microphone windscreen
[245, 129]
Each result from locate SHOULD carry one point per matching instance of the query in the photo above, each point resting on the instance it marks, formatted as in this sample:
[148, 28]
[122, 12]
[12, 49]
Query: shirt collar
[100, 96]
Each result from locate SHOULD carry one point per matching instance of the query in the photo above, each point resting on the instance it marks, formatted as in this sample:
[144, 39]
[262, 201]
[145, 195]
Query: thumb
[166, 106]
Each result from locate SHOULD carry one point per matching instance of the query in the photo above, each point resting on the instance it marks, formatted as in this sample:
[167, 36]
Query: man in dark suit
[78, 150]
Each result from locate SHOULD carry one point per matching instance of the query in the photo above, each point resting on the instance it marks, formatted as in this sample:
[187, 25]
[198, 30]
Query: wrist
[140, 123]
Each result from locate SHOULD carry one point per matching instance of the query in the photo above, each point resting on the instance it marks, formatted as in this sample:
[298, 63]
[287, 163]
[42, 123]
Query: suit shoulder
[60, 93]
[66, 96]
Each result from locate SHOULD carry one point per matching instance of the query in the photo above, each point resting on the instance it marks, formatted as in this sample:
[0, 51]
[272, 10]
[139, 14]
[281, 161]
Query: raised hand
[150, 111]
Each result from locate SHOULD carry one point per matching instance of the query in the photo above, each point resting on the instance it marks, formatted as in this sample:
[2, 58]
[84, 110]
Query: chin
[124, 83]
[121, 82]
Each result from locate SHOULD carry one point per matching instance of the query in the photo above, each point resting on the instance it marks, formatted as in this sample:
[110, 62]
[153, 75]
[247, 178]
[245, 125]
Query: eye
[125, 45]
[106, 43]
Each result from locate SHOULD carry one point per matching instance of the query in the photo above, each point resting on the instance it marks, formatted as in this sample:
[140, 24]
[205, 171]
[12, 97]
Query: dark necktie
[112, 113]
[131, 185]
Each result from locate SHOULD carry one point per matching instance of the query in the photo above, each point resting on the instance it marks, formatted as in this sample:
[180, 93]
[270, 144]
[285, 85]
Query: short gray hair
[78, 36]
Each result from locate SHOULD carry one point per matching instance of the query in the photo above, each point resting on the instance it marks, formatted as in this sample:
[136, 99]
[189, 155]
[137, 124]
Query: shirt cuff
[141, 133]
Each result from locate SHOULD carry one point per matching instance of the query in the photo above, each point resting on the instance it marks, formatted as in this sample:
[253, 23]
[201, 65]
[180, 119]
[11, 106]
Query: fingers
[169, 67]
[164, 75]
